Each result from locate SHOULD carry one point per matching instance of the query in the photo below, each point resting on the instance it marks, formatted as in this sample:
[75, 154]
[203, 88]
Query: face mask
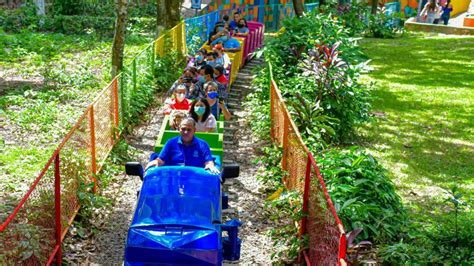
[199, 110]
[180, 97]
[212, 94]
[220, 28]
[224, 38]
[201, 78]
[199, 58]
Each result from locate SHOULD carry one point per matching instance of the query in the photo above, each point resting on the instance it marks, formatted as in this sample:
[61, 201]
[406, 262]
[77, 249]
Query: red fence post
[57, 207]
[342, 248]
[93, 154]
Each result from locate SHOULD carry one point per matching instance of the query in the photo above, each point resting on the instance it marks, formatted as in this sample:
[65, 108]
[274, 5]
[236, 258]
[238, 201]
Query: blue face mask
[199, 110]
[220, 28]
[211, 63]
[224, 38]
[212, 94]
[201, 78]
[199, 58]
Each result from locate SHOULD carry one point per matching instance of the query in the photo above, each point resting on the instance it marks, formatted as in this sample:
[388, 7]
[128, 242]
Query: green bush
[363, 195]
[315, 57]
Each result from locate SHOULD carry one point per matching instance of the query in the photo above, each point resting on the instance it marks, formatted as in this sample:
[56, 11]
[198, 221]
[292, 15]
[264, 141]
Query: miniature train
[178, 216]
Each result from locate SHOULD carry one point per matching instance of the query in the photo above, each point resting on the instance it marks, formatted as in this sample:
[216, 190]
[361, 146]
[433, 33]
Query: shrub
[364, 196]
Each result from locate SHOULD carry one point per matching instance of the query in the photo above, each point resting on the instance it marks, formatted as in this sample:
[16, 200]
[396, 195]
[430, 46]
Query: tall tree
[374, 6]
[121, 7]
[167, 14]
[298, 7]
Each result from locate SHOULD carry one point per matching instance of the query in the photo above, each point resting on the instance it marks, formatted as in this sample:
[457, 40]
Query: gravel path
[246, 202]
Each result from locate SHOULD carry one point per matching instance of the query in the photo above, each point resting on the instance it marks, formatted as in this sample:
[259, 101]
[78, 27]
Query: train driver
[185, 149]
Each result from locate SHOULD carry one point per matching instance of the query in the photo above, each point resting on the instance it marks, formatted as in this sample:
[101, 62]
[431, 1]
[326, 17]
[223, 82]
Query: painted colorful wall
[234, 4]
[459, 6]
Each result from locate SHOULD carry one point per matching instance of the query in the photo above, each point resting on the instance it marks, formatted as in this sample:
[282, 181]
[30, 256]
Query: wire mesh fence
[326, 234]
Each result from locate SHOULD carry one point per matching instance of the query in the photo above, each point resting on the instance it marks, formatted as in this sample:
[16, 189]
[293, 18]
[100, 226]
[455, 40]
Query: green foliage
[383, 26]
[315, 57]
[313, 125]
[447, 239]
[364, 196]
[143, 78]
[272, 176]
[258, 102]
[287, 211]
[78, 17]
[285, 207]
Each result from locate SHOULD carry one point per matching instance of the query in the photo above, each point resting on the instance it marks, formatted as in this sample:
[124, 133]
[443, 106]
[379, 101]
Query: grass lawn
[423, 106]
[46, 82]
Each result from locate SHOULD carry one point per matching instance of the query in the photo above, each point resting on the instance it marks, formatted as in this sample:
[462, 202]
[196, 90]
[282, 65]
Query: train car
[178, 216]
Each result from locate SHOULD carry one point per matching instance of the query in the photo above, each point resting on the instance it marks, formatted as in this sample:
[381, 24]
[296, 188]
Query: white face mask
[180, 97]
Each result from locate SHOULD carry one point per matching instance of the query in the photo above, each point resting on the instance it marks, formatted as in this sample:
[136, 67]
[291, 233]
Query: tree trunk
[298, 7]
[167, 14]
[119, 36]
[321, 4]
[374, 6]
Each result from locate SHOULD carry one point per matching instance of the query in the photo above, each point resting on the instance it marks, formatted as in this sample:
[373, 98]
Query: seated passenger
[225, 20]
[222, 58]
[176, 116]
[207, 74]
[230, 44]
[216, 33]
[242, 29]
[219, 75]
[201, 113]
[189, 73]
[211, 59]
[233, 24]
[179, 101]
[218, 106]
[199, 58]
[185, 150]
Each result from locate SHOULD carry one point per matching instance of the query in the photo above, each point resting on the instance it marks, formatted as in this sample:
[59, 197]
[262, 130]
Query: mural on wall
[236, 4]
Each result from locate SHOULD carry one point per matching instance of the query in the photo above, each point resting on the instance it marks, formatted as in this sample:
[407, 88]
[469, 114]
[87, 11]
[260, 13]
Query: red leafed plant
[326, 67]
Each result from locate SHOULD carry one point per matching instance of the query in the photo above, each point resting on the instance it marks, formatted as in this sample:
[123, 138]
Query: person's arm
[156, 162]
[211, 167]
[161, 158]
[225, 111]
[209, 161]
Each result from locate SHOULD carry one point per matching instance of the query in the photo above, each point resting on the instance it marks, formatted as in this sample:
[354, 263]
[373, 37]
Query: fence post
[342, 249]
[122, 97]
[57, 208]
[286, 125]
[93, 153]
[307, 183]
[116, 102]
[134, 73]
[152, 59]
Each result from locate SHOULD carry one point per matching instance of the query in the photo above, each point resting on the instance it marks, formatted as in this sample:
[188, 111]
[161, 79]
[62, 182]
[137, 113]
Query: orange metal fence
[327, 242]
[33, 232]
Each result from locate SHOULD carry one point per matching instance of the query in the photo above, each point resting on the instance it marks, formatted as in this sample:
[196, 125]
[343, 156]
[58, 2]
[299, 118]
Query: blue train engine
[178, 216]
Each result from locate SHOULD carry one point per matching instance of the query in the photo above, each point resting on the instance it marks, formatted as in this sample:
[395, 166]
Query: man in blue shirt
[233, 24]
[186, 150]
[230, 44]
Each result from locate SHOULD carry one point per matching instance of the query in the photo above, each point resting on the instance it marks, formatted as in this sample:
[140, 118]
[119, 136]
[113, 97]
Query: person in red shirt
[179, 101]
[219, 75]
